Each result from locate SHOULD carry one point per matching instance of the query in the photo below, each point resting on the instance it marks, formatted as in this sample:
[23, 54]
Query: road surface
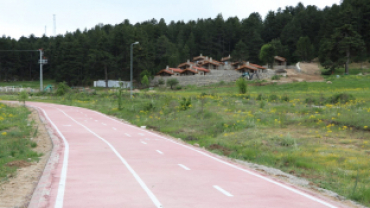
[103, 162]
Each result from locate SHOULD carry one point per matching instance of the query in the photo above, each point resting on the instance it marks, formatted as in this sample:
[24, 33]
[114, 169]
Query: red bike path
[98, 161]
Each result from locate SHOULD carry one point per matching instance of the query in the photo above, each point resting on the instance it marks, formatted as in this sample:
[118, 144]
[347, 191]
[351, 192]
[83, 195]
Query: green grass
[26, 84]
[354, 69]
[273, 125]
[15, 143]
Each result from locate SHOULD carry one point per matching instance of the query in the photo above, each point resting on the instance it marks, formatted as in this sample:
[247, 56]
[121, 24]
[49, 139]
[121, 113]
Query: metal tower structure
[55, 25]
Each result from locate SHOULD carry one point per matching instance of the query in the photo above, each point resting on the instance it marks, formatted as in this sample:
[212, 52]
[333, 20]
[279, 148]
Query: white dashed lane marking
[183, 166]
[222, 191]
[141, 134]
[143, 142]
[127, 134]
[114, 129]
[160, 152]
[104, 124]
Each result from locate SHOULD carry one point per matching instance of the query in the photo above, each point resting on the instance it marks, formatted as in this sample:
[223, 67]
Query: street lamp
[131, 63]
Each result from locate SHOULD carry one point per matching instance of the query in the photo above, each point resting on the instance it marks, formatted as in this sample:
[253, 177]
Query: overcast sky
[24, 17]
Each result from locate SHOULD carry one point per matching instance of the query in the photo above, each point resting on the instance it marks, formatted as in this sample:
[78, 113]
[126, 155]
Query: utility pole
[42, 61]
[131, 63]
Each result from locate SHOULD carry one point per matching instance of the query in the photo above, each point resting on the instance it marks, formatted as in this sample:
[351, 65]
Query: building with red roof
[170, 72]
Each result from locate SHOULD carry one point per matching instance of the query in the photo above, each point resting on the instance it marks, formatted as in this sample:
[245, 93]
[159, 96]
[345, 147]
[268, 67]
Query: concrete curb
[42, 191]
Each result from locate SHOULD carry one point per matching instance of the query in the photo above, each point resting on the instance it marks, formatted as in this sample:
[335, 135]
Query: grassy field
[318, 131]
[354, 69]
[15, 144]
[25, 84]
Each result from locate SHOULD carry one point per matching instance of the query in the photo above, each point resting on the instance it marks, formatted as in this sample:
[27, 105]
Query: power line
[20, 50]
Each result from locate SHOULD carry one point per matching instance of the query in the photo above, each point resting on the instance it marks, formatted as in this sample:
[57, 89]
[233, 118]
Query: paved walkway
[106, 163]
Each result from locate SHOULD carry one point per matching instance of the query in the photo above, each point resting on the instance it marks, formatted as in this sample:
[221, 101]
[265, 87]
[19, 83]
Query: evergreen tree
[344, 43]
[304, 49]
[240, 52]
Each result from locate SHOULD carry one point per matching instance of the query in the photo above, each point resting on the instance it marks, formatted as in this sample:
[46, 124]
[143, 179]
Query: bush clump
[242, 85]
[185, 103]
[259, 97]
[341, 98]
[62, 89]
[273, 97]
[23, 95]
[285, 98]
[275, 77]
[149, 107]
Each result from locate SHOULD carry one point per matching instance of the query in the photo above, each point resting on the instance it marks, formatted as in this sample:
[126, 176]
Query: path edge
[41, 193]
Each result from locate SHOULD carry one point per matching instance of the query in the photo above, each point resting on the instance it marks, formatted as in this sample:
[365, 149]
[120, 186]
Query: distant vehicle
[246, 74]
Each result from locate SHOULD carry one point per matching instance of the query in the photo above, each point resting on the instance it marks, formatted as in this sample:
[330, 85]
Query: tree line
[337, 35]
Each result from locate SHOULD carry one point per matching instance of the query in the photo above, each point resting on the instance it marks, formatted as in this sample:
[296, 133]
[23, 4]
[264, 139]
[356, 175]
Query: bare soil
[18, 164]
[17, 191]
[310, 72]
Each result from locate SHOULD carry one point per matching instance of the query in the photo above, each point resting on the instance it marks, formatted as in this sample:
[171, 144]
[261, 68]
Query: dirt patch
[155, 128]
[310, 68]
[310, 72]
[18, 164]
[190, 138]
[224, 150]
[18, 189]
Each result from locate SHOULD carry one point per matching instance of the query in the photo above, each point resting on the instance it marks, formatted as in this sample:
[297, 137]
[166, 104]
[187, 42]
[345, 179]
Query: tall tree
[344, 43]
[304, 49]
[240, 52]
[267, 54]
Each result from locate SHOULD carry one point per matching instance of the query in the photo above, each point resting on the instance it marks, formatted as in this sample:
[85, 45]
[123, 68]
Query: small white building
[112, 83]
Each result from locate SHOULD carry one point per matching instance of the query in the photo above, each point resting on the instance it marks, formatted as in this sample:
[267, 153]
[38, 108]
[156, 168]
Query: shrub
[172, 82]
[185, 103]
[262, 104]
[327, 72]
[161, 82]
[23, 97]
[149, 106]
[259, 97]
[178, 88]
[145, 81]
[33, 144]
[273, 97]
[275, 77]
[221, 83]
[285, 98]
[287, 141]
[341, 98]
[242, 85]
[62, 88]
[311, 101]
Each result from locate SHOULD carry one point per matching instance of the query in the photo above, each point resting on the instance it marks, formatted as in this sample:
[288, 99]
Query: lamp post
[131, 63]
